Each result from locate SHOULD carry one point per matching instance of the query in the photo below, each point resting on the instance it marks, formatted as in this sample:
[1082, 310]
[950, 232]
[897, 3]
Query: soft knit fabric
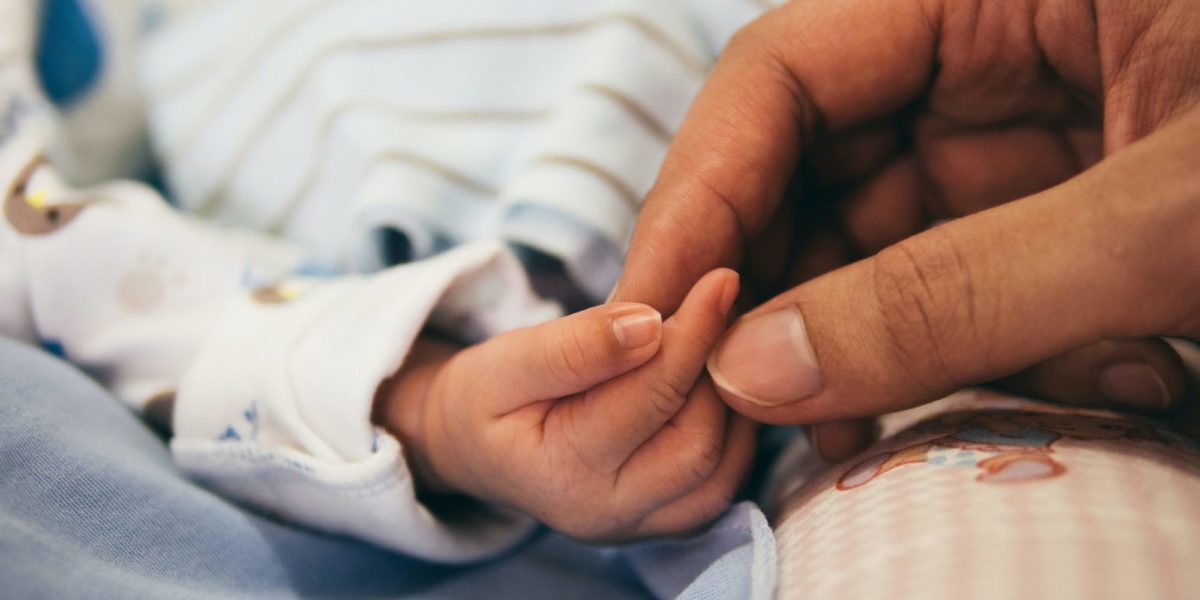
[271, 373]
[467, 127]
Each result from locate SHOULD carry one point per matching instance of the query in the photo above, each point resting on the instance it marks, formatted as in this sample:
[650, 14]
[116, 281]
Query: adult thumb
[975, 299]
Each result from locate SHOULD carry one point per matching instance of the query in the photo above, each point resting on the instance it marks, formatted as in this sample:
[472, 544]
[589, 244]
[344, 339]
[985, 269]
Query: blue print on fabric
[231, 433]
[16, 110]
[1025, 436]
[251, 415]
[55, 347]
[317, 270]
[70, 54]
[252, 278]
[151, 17]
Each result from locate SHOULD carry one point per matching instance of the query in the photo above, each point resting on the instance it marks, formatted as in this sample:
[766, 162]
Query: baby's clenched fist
[601, 424]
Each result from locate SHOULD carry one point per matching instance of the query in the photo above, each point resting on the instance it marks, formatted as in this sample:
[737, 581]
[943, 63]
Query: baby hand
[599, 424]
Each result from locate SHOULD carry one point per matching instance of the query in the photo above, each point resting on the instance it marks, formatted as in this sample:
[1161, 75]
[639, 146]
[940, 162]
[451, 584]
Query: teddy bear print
[29, 208]
[1004, 445]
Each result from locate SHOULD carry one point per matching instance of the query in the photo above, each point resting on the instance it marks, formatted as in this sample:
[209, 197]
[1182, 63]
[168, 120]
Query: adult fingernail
[1134, 384]
[639, 328]
[767, 360]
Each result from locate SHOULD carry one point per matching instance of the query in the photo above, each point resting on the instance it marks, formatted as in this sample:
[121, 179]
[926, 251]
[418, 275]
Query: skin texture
[1056, 143]
[600, 441]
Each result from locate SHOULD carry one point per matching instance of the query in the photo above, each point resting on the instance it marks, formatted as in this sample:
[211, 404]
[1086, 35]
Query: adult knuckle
[926, 297]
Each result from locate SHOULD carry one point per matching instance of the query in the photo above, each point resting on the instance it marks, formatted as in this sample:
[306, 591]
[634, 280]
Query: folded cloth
[271, 374]
[542, 123]
[92, 506]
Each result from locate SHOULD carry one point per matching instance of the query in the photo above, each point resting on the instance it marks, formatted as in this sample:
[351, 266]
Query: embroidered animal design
[266, 287]
[29, 209]
[1006, 446]
[280, 293]
[238, 432]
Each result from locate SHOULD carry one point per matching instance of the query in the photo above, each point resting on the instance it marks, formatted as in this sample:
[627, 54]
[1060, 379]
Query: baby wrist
[402, 407]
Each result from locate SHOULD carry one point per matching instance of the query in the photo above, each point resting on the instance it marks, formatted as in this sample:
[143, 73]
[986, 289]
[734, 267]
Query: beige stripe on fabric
[417, 161]
[632, 199]
[326, 130]
[635, 110]
[183, 79]
[190, 134]
[219, 194]
[452, 175]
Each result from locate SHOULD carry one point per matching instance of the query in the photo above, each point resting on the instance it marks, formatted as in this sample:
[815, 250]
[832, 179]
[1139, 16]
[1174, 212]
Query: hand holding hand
[1060, 138]
[599, 424]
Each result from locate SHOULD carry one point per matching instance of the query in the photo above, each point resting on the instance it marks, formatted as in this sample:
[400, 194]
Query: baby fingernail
[768, 360]
[730, 293]
[637, 329]
[1134, 384]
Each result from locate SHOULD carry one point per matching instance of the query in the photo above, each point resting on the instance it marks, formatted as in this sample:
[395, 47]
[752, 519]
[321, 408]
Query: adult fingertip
[767, 360]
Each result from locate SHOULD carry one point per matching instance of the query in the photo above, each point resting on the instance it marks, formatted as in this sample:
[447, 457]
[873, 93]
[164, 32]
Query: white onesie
[465, 126]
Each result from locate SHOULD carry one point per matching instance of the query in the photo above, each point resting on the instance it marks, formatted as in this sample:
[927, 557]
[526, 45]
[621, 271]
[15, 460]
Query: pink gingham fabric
[1073, 504]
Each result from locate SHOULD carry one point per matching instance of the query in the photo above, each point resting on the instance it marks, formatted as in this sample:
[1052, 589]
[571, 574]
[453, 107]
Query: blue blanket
[92, 506]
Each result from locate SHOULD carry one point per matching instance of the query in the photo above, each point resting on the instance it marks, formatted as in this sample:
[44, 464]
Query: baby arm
[600, 424]
[267, 377]
[272, 384]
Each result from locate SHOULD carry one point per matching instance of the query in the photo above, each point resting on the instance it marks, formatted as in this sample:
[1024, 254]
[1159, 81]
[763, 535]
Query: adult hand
[1063, 138]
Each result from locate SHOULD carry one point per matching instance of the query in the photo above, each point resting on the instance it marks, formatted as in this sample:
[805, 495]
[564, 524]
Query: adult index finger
[800, 69]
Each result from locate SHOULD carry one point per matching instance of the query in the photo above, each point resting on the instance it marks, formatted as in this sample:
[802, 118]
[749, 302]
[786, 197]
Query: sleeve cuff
[275, 412]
